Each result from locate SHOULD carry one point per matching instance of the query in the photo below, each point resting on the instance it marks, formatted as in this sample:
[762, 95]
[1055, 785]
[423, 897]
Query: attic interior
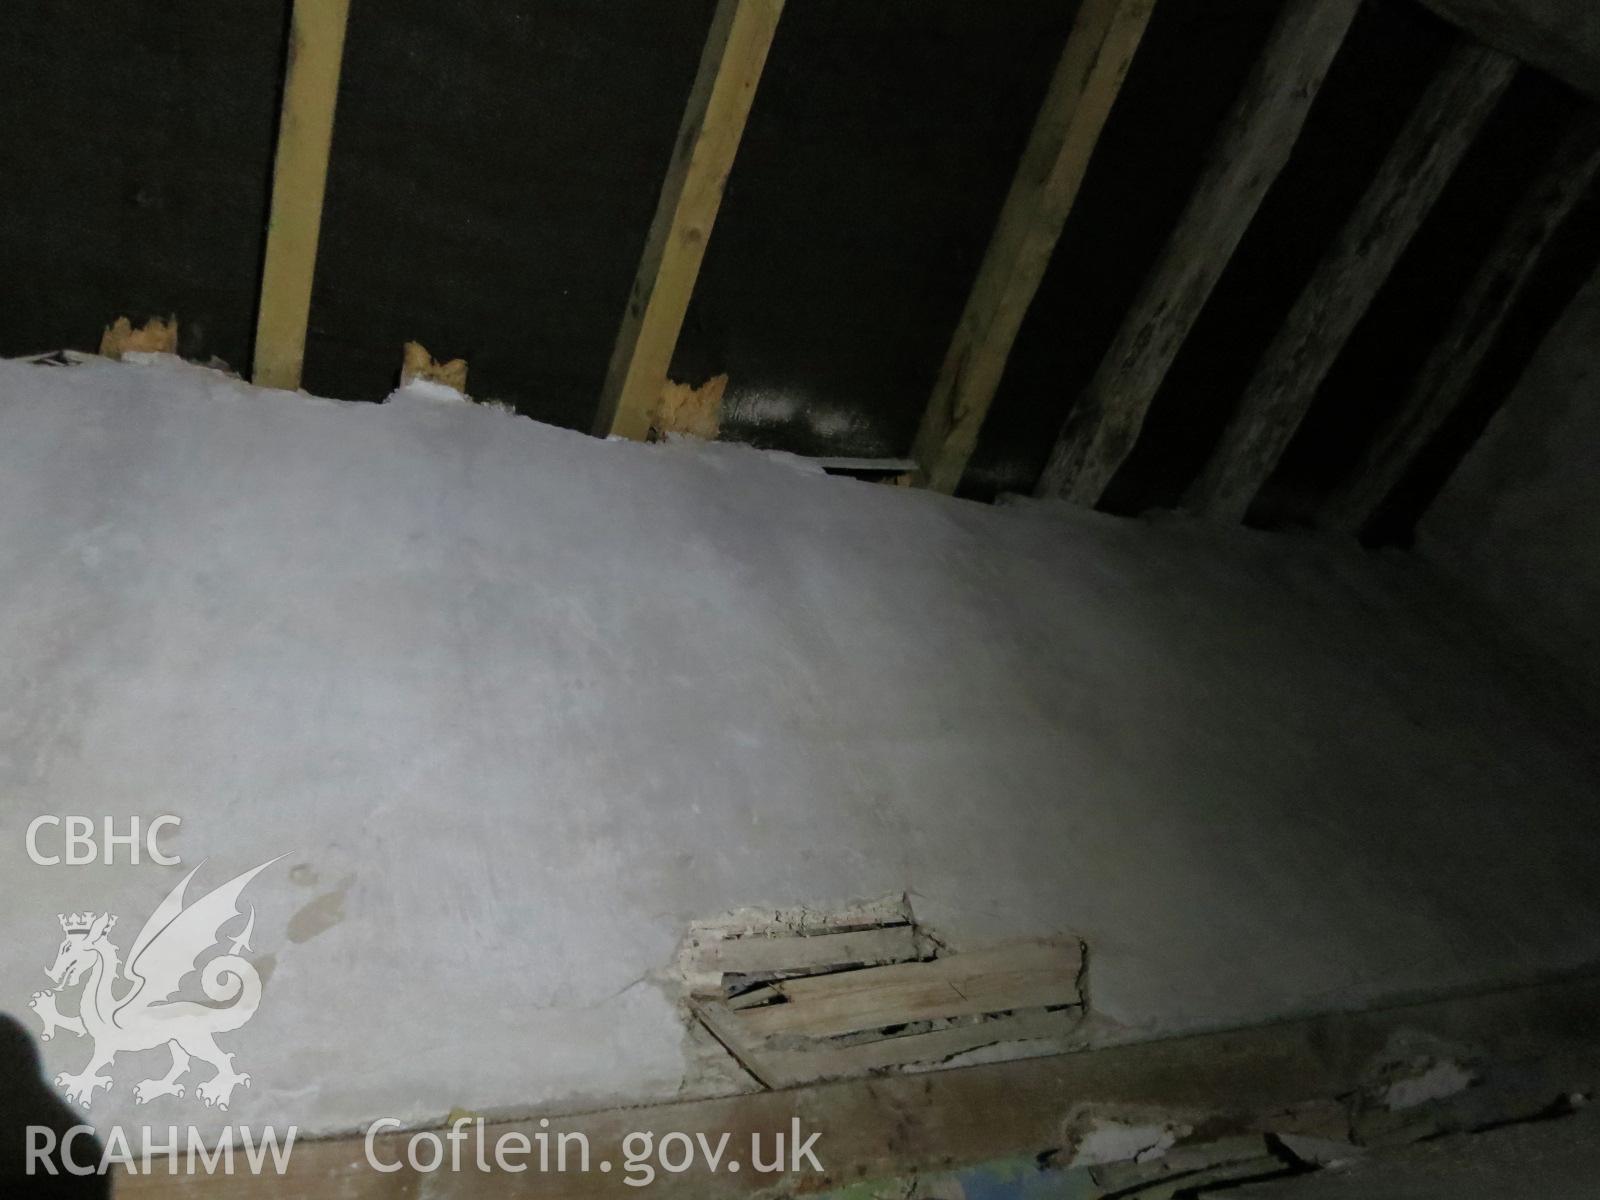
[1007, 588]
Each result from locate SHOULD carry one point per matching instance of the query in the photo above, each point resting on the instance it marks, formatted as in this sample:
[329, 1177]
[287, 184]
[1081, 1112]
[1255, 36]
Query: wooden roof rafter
[1250, 151]
[1420, 162]
[1453, 364]
[719, 104]
[299, 180]
[1085, 85]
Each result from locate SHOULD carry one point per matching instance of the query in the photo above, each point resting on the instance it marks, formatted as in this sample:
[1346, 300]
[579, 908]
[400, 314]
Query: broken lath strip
[849, 999]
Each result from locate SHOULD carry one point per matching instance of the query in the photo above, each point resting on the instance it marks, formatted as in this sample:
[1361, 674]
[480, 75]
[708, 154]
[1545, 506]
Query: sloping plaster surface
[1519, 521]
[518, 705]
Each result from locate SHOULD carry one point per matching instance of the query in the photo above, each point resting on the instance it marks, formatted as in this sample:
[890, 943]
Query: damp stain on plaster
[320, 915]
[302, 874]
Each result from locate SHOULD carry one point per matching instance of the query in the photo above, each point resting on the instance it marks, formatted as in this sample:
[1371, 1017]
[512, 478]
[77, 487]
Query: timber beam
[1249, 153]
[1093, 65]
[299, 178]
[1326, 1076]
[1420, 162]
[735, 53]
[1561, 37]
[1447, 374]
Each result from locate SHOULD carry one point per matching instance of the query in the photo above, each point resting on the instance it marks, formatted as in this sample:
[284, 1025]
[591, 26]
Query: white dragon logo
[144, 1016]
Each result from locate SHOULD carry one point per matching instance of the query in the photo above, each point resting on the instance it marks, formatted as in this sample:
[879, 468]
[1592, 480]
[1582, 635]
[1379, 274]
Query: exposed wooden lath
[1453, 364]
[1250, 151]
[759, 954]
[1420, 162]
[300, 173]
[1094, 63]
[713, 122]
[801, 1028]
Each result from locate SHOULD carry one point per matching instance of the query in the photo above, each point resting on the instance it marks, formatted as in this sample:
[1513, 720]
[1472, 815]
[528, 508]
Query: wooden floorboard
[1524, 1044]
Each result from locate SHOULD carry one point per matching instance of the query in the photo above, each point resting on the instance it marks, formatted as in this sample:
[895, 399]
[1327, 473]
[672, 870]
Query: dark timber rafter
[1250, 151]
[1422, 159]
[1453, 364]
[1558, 36]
